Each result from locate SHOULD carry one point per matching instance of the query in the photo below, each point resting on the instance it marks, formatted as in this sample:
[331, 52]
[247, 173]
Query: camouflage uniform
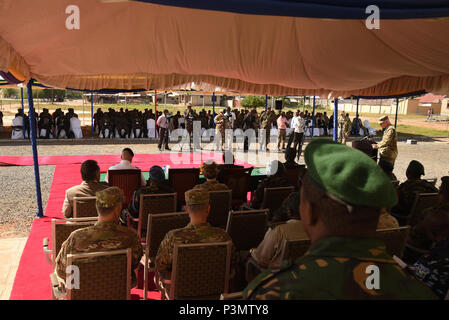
[266, 121]
[344, 129]
[433, 268]
[407, 192]
[211, 185]
[220, 127]
[388, 148]
[335, 268]
[270, 182]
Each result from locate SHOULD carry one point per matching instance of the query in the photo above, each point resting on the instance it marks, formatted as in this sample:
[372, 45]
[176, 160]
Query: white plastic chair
[151, 125]
[17, 133]
[75, 127]
[316, 132]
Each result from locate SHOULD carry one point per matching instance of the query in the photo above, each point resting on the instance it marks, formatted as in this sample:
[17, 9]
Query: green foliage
[253, 102]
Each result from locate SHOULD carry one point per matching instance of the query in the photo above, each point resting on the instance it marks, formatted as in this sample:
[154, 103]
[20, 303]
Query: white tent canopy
[134, 45]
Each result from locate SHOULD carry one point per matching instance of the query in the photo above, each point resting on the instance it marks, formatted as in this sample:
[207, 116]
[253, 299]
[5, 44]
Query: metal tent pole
[23, 113]
[304, 105]
[335, 137]
[313, 116]
[266, 102]
[396, 116]
[31, 111]
[357, 118]
[155, 114]
[92, 113]
[213, 108]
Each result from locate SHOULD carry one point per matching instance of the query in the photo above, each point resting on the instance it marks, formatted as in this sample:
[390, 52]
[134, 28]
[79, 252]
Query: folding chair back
[200, 271]
[61, 230]
[238, 180]
[247, 228]
[433, 181]
[159, 225]
[293, 249]
[273, 198]
[84, 207]
[154, 204]
[127, 180]
[103, 275]
[220, 205]
[394, 239]
[182, 180]
[422, 201]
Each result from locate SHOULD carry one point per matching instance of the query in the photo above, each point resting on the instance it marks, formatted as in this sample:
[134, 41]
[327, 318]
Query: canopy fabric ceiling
[135, 45]
[341, 9]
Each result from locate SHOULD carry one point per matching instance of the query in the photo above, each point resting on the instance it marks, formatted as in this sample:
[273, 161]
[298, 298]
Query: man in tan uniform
[90, 173]
[220, 127]
[388, 149]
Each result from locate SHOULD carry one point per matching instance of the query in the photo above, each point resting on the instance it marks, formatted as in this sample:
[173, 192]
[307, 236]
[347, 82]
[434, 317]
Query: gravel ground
[18, 205]
[18, 201]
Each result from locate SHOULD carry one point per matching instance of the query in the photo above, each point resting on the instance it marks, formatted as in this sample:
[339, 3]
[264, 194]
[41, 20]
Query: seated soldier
[275, 178]
[90, 173]
[433, 268]
[125, 164]
[197, 231]
[290, 206]
[209, 170]
[407, 190]
[387, 167]
[340, 218]
[268, 253]
[228, 162]
[156, 184]
[418, 236]
[105, 235]
[290, 155]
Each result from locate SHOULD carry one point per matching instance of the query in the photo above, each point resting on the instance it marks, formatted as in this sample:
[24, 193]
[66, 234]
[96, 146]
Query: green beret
[196, 196]
[416, 167]
[349, 175]
[108, 198]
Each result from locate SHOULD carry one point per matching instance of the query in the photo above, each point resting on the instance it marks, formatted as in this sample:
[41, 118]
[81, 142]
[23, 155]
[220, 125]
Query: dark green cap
[349, 175]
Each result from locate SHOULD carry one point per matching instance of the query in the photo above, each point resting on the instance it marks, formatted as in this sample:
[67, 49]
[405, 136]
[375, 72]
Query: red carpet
[32, 281]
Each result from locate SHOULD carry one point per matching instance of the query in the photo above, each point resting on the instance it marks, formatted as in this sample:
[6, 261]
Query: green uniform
[344, 129]
[103, 236]
[336, 268]
[388, 148]
[201, 233]
[266, 121]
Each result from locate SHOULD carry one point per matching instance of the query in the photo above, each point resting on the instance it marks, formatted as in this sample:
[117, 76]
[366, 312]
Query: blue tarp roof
[332, 9]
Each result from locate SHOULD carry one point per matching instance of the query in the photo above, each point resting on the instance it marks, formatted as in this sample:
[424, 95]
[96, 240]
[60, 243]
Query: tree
[253, 102]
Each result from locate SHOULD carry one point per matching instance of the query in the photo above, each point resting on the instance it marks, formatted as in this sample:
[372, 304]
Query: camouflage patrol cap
[196, 196]
[108, 198]
[349, 175]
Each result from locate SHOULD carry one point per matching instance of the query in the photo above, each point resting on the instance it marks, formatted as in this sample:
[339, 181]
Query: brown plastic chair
[182, 180]
[433, 181]
[394, 239]
[200, 271]
[220, 205]
[153, 204]
[103, 275]
[273, 198]
[422, 201]
[238, 180]
[127, 180]
[61, 230]
[84, 207]
[158, 226]
[247, 228]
